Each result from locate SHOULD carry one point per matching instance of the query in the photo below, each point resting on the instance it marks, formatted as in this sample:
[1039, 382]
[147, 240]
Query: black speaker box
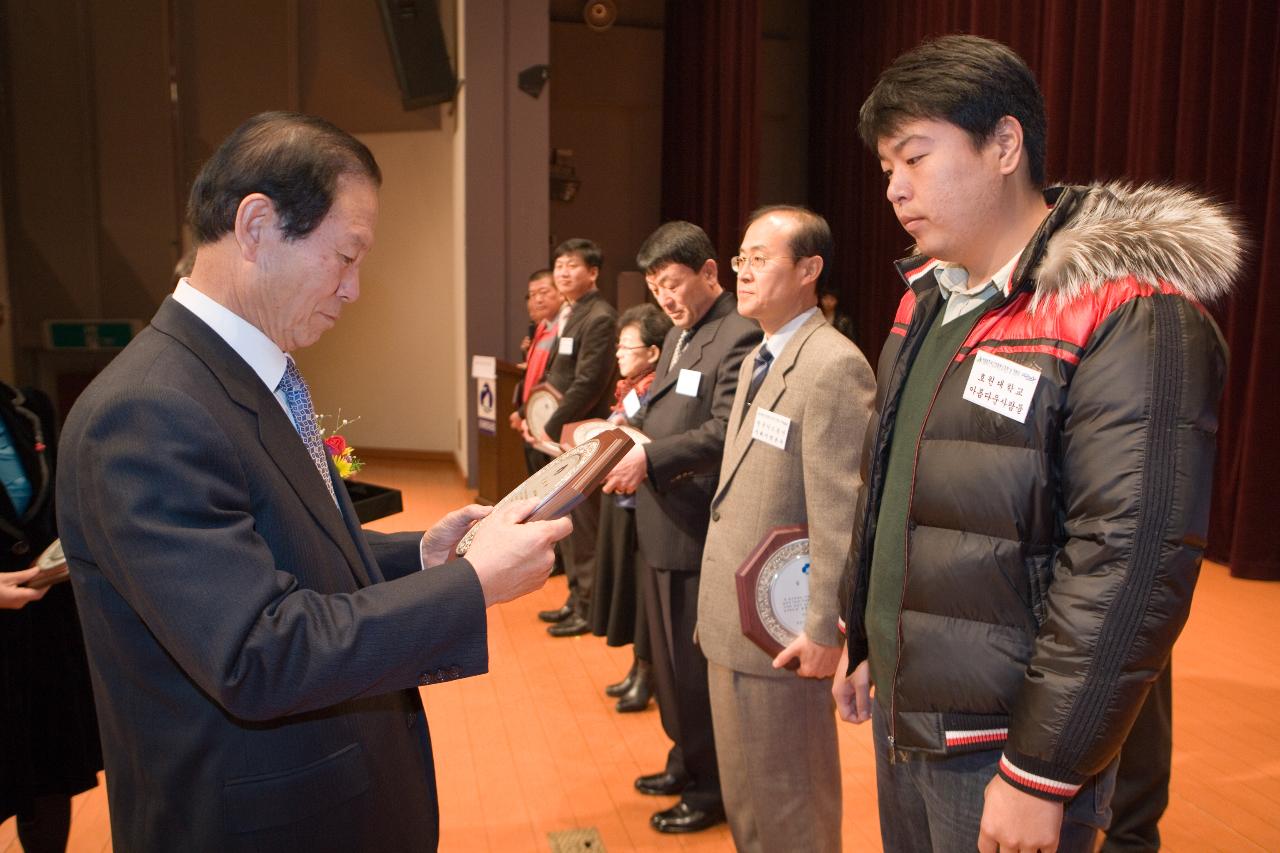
[418, 52]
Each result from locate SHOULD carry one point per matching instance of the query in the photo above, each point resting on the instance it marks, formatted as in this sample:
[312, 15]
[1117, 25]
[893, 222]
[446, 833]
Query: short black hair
[590, 253]
[811, 236]
[675, 242]
[650, 320]
[542, 273]
[293, 159]
[969, 81]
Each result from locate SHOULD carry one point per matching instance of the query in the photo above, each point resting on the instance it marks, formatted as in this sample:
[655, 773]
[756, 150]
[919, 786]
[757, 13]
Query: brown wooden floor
[535, 746]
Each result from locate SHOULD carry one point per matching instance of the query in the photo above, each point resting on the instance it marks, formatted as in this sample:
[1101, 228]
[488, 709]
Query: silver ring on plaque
[773, 588]
[542, 403]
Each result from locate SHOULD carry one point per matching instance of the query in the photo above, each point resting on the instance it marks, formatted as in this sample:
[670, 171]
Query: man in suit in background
[686, 415]
[255, 654]
[583, 369]
[791, 457]
[544, 303]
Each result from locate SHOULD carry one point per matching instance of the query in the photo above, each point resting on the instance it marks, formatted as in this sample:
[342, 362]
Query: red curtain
[1153, 90]
[711, 117]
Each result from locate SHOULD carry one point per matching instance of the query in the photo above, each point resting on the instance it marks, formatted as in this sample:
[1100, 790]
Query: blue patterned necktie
[763, 358]
[298, 397]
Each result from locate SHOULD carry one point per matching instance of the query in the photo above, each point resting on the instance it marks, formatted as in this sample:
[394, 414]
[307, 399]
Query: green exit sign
[89, 334]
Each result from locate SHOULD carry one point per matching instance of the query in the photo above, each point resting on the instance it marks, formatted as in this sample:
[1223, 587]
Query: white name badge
[688, 382]
[1003, 386]
[771, 428]
[631, 403]
[566, 346]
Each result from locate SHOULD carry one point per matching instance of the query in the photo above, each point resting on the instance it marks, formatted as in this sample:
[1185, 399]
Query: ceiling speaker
[600, 14]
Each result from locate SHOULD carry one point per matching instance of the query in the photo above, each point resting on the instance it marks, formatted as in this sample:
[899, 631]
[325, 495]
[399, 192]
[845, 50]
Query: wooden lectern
[500, 459]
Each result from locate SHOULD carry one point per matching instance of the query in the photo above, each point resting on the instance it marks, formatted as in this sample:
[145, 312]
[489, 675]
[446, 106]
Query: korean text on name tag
[771, 428]
[1003, 386]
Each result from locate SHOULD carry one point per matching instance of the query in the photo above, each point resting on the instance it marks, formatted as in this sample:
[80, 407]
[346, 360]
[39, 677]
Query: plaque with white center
[542, 403]
[773, 589]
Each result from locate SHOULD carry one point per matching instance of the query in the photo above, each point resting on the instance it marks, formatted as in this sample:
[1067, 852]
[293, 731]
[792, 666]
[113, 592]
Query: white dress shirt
[778, 341]
[258, 351]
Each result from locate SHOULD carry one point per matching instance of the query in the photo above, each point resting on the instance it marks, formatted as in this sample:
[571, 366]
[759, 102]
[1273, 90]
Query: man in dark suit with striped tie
[255, 654]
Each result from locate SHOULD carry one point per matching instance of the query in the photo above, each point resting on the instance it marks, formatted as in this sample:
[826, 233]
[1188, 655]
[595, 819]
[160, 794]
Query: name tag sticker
[1003, 386]
[771, 428]
[688, 382]
[566, 346]
[631, 403]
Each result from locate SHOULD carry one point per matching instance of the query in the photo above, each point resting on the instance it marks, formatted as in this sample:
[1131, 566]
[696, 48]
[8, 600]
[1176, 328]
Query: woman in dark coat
[49, 747]
[616, 605]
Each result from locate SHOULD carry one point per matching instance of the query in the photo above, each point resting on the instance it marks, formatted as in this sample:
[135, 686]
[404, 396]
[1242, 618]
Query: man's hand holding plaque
[807, 658]
[563, 483]
[500, 553]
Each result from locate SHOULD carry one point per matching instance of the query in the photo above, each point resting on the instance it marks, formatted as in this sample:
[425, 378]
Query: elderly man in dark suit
[583, 369]
[676, 474]
[255, 654]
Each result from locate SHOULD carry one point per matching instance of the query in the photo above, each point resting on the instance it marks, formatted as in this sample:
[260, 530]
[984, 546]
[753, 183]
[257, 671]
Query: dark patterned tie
[298, 397]
[680, 345]
[763, 359]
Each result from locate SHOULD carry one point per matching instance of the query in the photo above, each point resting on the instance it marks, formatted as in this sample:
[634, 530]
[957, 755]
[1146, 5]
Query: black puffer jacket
[1050, 563]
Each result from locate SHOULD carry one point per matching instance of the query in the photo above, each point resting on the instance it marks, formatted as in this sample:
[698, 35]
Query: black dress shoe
[637, 698]
[571, 627]
[619, 688]
[662, 784]
[558, 615]
[683, 817]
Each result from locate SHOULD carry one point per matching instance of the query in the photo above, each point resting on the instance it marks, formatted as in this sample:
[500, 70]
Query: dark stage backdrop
[1154, 90]
[711, 118]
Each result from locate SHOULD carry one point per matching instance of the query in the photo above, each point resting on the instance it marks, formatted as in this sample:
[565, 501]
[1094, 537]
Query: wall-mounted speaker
[418, 52]
[600, 14]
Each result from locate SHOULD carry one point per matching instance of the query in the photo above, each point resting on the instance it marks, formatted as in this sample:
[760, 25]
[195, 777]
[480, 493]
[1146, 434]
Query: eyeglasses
[622, 348]
[740, 262]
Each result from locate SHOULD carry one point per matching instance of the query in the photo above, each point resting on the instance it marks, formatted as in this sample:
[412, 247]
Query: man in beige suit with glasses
[791, 457]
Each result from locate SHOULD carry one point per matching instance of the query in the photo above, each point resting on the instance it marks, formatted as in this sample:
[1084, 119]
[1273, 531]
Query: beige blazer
[823, 384]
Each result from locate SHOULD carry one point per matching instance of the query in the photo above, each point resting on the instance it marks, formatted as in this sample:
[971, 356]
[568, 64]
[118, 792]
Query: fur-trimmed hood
[1152, 232]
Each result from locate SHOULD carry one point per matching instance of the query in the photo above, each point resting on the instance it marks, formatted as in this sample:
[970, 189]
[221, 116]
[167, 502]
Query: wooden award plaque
[565, 481]
[541, 404]
[579, 431]
[773, 589]
[52, 565]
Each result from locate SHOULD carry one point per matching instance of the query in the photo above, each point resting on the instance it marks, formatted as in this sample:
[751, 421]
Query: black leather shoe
[637, 698]
[683, 817]
[558, 615]
[571, 627]
[621, 687]
[662, 784]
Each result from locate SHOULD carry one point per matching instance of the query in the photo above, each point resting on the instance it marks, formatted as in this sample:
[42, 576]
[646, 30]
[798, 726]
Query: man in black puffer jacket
[1037, 471]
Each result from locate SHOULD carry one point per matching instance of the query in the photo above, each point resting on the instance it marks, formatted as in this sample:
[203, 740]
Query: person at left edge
[255, 654]
[49, 748]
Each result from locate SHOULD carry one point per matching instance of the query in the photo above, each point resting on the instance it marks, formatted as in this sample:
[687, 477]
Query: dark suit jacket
[673, 506]
[585, 377]
[255, 675]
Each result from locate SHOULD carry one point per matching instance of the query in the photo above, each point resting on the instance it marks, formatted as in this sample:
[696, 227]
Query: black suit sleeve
[699, 450]
[594, 362]
[398, 554]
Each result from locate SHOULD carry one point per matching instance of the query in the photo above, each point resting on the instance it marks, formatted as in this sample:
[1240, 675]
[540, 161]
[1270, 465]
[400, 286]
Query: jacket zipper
[906, 533]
